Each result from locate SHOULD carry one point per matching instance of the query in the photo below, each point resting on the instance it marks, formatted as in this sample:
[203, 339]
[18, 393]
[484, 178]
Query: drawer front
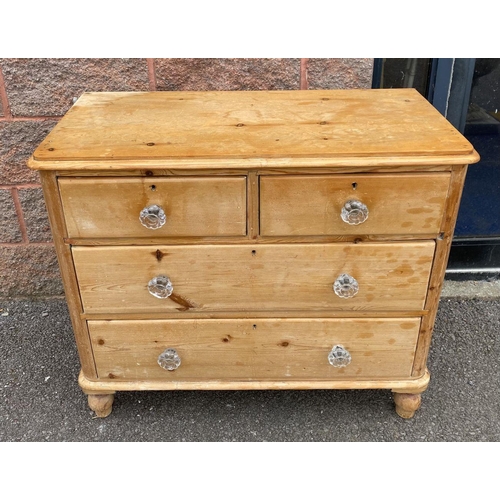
[195, 206]
[312, 205]
[390, 277]
[260, 349]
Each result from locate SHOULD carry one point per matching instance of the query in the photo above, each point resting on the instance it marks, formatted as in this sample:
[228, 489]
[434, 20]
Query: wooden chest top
[317, 128]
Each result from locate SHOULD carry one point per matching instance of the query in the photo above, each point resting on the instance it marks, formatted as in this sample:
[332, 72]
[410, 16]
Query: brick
[35, 215]
[18, 141]
[349, 73]
[47, 87]
[227, 74]
[29, 271]
[10, 232]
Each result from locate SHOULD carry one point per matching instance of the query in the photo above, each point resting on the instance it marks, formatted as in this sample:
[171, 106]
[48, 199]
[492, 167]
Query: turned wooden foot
[407, 404]
[102, 404]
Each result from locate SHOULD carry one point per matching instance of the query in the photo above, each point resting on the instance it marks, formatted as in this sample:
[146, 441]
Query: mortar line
[33, 298]
[29, 118]
[20, 186]
[151, 74]
[20, 216]
[28, 244]
[303, 74]
[3, 97]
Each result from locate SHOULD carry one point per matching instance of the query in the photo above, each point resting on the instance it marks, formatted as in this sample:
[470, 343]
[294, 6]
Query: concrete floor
[40, 399]
[467, 289]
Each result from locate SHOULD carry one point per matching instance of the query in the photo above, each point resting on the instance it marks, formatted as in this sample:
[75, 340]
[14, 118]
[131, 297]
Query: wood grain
[101, 404]
[391, 276]
[407, 404]
[443, 246]
[102, 386]
[195, 206]
[311, 205]
[249, 124]
[276, 313]
[71, 289]
[219, 166]
[254, 349]
[141, 169]
[253, 194]
[247, 240]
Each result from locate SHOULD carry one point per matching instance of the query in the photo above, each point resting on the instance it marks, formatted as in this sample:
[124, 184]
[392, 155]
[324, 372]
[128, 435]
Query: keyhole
[153, 188]
[354, 185]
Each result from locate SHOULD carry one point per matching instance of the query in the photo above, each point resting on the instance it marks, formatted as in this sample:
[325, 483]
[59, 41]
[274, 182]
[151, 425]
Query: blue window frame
[467, 93]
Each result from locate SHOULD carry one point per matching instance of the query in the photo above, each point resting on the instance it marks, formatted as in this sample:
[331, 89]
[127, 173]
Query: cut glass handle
[153, 217]
[160, 287]
[354, 212]
[169, 359]
[346, 286]
[339, 356]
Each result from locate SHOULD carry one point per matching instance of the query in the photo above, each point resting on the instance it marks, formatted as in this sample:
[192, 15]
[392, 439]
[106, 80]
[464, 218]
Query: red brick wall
[35, 93]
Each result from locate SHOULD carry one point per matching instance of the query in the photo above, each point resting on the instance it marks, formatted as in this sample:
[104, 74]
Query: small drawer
[266, 277]
[259, 349]
[186, 206]
[383, 204]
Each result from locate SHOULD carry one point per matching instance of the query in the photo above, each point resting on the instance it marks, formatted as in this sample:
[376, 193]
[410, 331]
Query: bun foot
[101, 404]
[407, 404]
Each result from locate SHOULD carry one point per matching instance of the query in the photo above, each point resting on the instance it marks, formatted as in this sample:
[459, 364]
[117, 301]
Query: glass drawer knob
[339, 356]
[160, 287]
[152, 217]
[345, 286]
[169, 359]
[354, 212]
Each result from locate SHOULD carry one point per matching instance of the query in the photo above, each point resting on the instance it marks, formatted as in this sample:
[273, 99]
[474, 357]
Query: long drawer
[255, 349]
[186, 206]
[383, 204]
[336, 276]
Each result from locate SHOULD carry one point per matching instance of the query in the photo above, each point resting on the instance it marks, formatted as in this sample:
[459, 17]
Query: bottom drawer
[255, 350]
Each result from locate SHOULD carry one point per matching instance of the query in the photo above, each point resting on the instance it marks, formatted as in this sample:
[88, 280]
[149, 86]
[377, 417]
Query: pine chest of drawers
[253, 240]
